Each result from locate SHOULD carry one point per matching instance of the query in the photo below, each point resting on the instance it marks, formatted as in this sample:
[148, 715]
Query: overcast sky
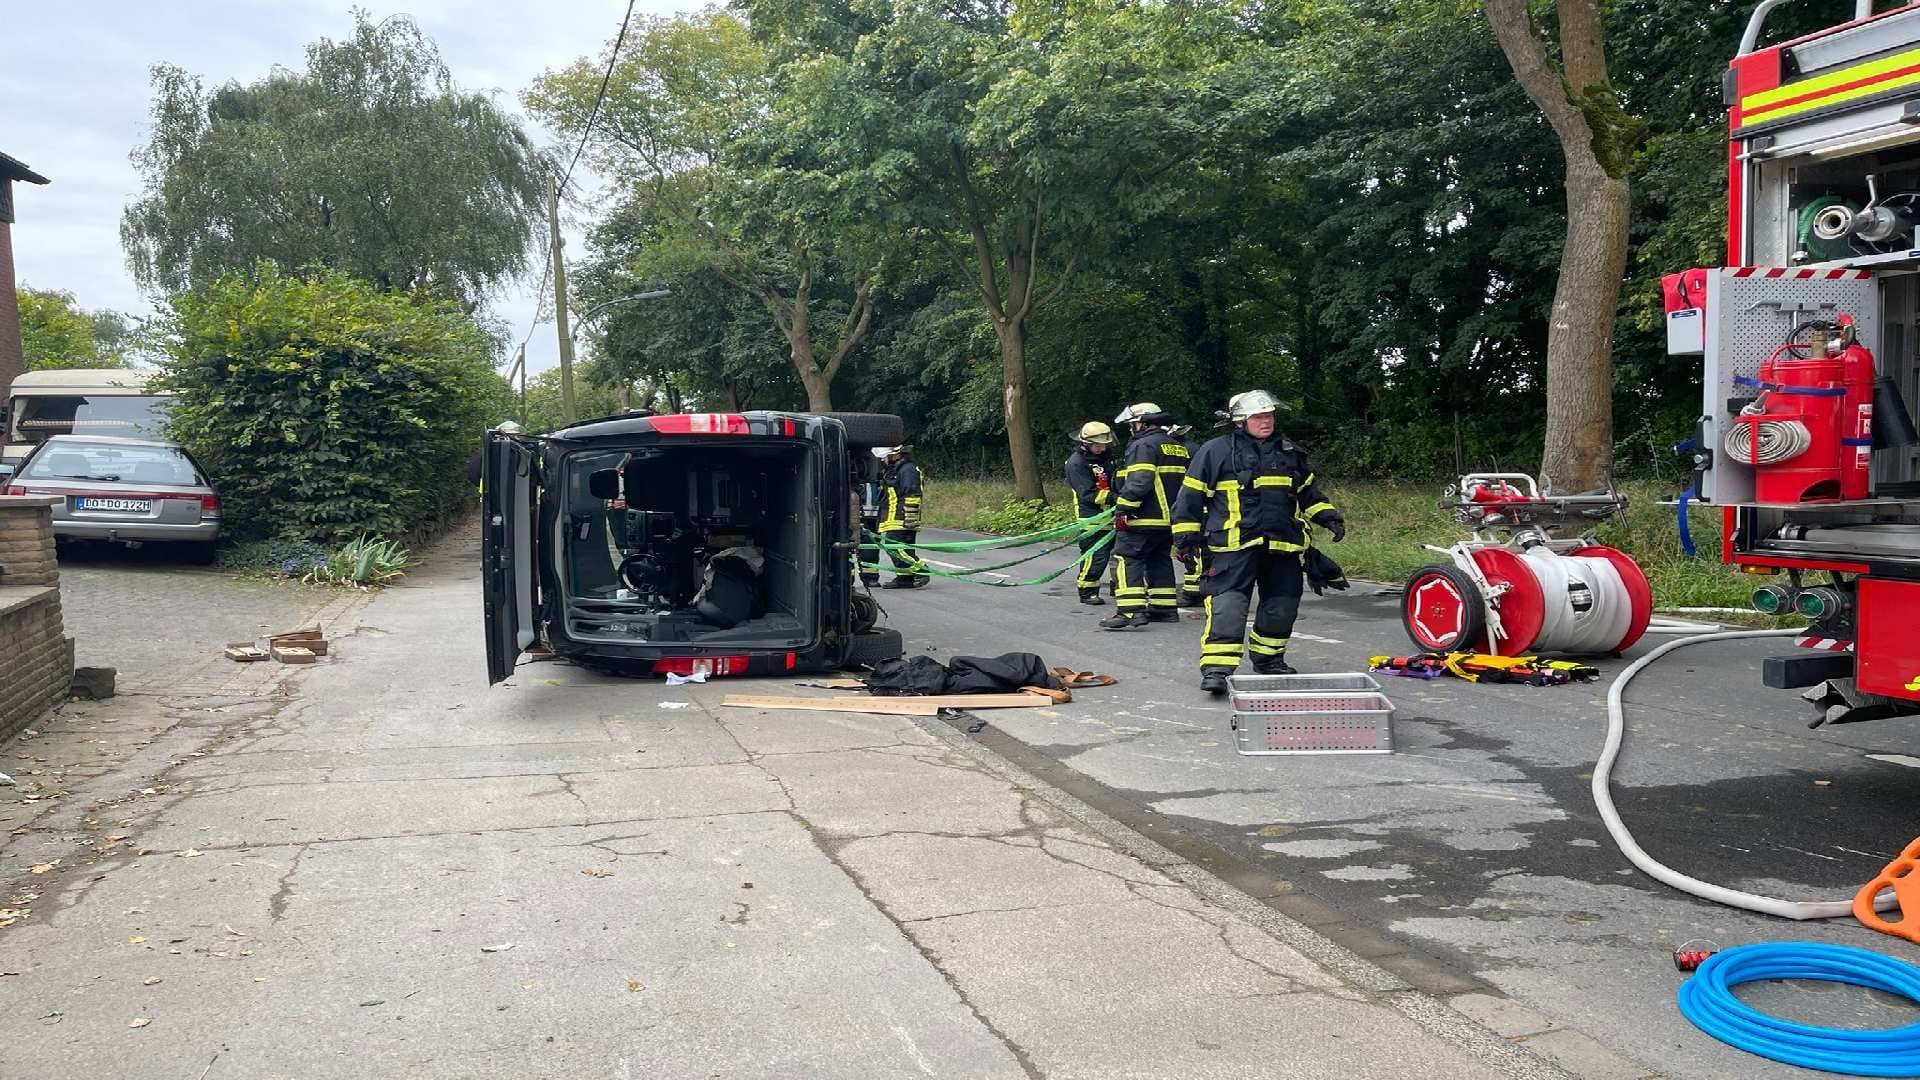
[73, 77]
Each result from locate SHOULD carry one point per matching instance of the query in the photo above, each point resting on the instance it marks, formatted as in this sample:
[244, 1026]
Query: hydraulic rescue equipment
[1521, 583]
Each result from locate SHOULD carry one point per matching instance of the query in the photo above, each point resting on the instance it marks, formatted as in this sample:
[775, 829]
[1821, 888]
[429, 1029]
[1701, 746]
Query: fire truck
[1809, 342]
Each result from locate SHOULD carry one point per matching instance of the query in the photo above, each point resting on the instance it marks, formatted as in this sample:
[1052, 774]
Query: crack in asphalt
[277, 903]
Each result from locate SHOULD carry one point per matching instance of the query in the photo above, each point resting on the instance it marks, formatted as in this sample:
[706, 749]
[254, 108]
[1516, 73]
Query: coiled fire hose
[1616, 828]
[1707, 999]
[1767, 442]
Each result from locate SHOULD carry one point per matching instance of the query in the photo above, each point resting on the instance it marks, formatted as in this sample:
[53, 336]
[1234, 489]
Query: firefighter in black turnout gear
[900, 516]
[1196, 567]
[1090, 475]
[1247, 497]
[1144, 589]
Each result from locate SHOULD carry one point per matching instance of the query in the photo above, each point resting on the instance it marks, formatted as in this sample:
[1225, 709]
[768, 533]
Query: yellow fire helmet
[1095, 433]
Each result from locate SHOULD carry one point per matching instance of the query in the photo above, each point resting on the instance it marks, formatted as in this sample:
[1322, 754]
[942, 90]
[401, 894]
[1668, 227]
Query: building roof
[12, 168]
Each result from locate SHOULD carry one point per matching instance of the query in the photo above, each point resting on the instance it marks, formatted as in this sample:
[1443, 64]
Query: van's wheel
[866, 430]
[870, 649]
[1442, 610]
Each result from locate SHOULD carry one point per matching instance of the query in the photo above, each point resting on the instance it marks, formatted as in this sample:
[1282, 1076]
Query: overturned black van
[697, 542]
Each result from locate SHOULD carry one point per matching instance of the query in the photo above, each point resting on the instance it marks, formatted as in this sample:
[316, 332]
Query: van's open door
[508, 512]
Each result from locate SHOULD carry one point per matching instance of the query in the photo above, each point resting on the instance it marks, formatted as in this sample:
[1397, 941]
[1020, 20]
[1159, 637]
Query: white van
[80, 401]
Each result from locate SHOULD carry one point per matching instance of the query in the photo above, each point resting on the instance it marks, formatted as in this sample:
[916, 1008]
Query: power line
[605, 79]
[546, 271]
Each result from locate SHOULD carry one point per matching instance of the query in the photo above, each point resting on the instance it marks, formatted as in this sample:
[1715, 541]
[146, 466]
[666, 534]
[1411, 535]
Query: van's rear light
[693, 665]
[793, 661]
[701, 424]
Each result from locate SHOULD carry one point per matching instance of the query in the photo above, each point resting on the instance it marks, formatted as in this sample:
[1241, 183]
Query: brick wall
[11, 361]
[36, 657]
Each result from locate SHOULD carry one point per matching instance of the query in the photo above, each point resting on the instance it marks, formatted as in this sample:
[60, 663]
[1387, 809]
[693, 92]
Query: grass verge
[1388, 522]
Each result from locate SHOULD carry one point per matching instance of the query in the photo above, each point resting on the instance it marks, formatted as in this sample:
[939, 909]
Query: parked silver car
[129, 491]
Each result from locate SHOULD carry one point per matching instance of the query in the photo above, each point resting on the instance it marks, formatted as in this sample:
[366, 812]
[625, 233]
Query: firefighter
[1089, 474]
[1247, 499]
[900, 516]
[1144, 588]
[1196, 568]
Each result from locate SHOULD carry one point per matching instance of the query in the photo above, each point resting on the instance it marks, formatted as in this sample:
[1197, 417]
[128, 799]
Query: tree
[1598, 139]
[682, 101]
[1018, 138]
[370, 161]
[325, 409]
[56, 333]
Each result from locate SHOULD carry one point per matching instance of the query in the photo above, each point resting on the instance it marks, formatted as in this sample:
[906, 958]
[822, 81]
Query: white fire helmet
[1252, 403]
[885, 452]
[1135, 412]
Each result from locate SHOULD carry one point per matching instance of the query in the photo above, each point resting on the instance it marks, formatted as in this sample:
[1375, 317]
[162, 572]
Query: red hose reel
[1513, 589]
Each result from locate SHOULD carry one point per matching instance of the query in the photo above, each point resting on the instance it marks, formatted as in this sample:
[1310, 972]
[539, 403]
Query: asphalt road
[1473, 856]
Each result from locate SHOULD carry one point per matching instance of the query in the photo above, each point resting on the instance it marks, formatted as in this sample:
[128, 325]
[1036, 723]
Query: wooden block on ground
[245, 652]
[293, 654]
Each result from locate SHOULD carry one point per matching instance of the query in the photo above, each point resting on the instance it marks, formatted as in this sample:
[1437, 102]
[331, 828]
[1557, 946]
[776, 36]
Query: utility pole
[520, 367]
[567, 408]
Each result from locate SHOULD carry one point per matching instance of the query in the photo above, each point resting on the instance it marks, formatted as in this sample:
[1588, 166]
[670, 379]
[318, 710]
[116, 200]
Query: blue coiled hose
[1707, 1000]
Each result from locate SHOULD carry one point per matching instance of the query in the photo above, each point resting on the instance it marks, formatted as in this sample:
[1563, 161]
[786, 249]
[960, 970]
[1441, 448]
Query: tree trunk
[1018, 410]
[818, 385]
[1597, 138]
[1579, 444]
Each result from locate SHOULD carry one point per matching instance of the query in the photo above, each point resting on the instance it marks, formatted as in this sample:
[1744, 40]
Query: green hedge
[325, 409]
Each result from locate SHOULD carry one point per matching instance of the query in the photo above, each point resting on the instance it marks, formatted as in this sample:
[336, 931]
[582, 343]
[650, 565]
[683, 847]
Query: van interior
[696, 545]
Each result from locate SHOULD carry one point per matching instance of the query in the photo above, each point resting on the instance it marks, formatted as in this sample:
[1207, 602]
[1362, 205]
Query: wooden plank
[897, 706]
[1057, 697]
[245, 652]
[292, 654]
[884, 706]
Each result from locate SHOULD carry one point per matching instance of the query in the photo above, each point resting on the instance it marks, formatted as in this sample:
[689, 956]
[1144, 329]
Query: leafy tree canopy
[56, 333]
[370, 161]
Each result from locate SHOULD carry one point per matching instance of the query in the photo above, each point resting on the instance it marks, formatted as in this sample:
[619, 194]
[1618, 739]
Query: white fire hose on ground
[1603, 799]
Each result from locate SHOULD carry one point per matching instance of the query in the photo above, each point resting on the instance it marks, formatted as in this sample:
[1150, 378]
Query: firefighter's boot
[1214, 681]
[1124, 621]
[1091, 597]
[1190, 598]
[1163, 615]
[1272, 665]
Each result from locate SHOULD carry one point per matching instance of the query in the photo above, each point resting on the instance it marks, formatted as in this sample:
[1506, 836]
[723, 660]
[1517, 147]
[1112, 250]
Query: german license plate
[130, 506]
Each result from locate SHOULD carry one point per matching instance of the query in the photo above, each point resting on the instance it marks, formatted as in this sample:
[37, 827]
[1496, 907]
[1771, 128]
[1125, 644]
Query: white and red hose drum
[1589, 600]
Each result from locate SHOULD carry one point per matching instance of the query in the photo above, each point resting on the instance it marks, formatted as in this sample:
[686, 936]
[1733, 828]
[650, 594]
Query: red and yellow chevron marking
[1833, 88]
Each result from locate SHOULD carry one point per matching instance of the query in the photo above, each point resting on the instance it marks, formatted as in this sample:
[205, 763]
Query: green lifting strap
[1080, 529]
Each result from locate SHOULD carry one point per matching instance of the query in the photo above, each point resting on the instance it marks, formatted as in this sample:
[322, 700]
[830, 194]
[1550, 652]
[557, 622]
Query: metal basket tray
[1310, 714]
[1349, 692]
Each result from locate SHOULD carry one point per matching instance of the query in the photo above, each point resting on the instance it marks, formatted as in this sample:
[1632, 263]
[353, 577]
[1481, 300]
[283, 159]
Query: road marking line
[1897, 759]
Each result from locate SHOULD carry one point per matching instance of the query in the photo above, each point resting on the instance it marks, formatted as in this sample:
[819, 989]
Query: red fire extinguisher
[1809, 433]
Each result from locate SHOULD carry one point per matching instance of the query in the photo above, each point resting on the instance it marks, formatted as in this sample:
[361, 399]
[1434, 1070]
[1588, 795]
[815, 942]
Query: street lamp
[595, 311]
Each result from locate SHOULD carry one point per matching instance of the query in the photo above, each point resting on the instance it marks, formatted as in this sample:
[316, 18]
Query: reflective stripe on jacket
[900, 511]
[1150, 480]
[1243, 492]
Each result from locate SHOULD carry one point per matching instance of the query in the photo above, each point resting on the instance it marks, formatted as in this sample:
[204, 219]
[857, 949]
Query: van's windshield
[37, 417]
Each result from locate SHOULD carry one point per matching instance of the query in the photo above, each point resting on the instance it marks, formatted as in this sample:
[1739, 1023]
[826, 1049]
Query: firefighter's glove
[1100, 480]
[1337, 529]
[1120, 522]
[1187, 553]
